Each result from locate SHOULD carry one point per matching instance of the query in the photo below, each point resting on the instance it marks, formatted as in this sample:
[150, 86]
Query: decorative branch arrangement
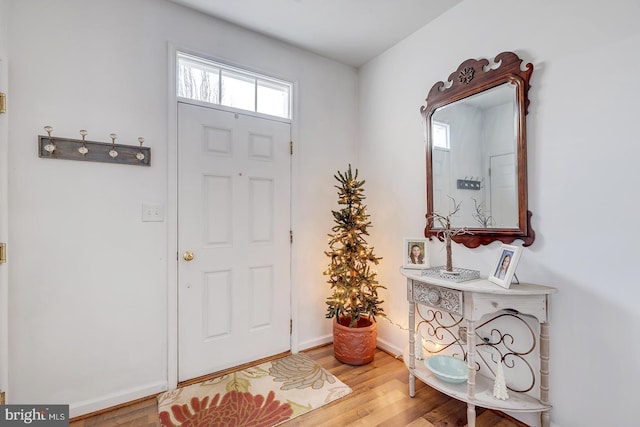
[91, 151]
[447, 232]
[480, 215]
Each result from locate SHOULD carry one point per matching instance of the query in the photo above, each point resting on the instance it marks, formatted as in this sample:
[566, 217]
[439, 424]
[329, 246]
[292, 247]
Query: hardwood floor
[380, 398]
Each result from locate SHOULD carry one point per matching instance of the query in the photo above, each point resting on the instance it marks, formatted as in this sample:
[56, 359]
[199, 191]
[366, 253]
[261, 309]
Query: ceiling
[349, 31]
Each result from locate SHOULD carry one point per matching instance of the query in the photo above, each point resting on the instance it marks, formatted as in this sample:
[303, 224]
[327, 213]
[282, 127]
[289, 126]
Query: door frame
[172, 211]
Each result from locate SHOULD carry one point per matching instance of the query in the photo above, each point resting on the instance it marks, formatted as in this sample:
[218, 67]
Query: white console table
[466, 303]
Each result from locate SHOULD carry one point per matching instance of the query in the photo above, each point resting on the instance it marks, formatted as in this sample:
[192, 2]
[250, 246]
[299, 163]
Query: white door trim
[172, 218]
[4, 233]
[172, 225]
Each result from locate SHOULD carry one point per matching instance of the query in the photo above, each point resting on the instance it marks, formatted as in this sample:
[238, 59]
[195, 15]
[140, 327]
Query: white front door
[504, 191]
[234, 216]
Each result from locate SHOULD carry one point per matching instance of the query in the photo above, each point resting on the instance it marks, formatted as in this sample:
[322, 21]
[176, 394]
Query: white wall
[89, 281]
[583, 151]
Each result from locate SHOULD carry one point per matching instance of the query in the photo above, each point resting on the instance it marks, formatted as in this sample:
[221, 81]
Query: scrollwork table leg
[471, 369]
[544, 372]
[471, 415]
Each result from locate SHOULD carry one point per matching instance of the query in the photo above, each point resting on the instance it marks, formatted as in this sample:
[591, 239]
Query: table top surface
[482, 285]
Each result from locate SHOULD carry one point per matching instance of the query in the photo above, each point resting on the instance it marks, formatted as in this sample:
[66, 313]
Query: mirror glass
[477, 152]
[474, 156]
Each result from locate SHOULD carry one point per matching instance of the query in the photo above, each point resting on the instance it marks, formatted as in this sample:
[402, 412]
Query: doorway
[233, 232]
[504, 190]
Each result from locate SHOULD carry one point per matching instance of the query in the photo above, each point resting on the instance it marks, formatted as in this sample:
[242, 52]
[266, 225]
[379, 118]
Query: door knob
[188, 256]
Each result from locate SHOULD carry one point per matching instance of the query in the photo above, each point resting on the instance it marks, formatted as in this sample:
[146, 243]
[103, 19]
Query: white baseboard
[389, 348]
[315, 342]
[92, 405]
[384, 345]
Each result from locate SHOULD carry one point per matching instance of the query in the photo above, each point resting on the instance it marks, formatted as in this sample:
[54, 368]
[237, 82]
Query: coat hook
[83, 150]
[113, 153]
[55, 147]
[50, 147]
[140, 155]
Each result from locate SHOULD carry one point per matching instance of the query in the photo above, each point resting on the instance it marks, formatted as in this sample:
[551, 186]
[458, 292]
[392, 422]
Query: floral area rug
[260, 396]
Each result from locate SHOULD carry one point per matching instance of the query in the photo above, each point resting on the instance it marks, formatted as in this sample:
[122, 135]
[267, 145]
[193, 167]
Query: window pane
[217, 83]
[197, 80]
[238, 91]
[440, 132]
[273, 99]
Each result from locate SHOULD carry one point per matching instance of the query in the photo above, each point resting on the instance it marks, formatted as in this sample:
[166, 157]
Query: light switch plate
[152, 212]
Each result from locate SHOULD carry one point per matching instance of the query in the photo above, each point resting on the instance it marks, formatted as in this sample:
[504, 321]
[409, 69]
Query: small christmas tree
[353, 283]
[500, 384]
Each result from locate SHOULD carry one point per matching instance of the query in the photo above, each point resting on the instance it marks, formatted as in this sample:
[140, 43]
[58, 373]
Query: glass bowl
[447, 368]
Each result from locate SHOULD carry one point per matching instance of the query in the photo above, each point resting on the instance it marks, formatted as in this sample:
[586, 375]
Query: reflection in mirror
[477, 151]
[474, 159]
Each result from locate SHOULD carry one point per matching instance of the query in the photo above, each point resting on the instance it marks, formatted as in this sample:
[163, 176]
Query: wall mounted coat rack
[92, 151]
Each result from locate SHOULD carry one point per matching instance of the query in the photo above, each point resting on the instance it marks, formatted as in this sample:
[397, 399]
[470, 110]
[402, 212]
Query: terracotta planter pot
[355, 346]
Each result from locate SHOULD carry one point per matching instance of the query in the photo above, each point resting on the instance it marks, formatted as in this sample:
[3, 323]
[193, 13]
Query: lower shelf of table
[517, 402]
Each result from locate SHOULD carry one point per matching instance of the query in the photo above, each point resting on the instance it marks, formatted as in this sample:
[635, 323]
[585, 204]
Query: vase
[357, 345]
[449, 257]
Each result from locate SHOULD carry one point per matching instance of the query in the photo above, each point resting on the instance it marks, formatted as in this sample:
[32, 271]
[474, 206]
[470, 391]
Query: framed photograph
[414, 253]
[505, 266]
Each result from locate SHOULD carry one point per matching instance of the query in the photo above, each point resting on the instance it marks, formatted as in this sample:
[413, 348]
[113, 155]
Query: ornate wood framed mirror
[477, 151]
